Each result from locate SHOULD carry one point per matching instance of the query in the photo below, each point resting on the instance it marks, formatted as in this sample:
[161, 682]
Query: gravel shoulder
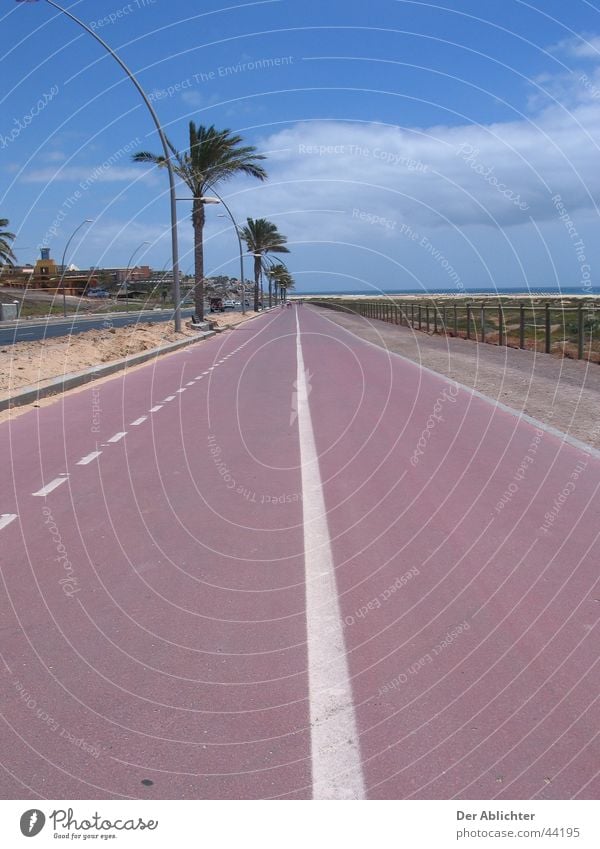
[560, 392]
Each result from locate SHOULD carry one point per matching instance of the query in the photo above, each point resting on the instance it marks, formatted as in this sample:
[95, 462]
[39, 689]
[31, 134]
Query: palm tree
[7, 257]
[214, 156]
[281, 277]
[262, 238]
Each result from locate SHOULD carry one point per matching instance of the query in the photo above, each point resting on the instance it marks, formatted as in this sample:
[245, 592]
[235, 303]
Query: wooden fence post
[521, 325]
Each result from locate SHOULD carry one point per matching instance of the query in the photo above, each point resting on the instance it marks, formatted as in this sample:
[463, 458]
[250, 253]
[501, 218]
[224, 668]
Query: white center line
[117, 436]
[6, 519]
[50, 486]
[139, 421]
[168, 398]
[88, 458]
[335, 750]
[156, 408]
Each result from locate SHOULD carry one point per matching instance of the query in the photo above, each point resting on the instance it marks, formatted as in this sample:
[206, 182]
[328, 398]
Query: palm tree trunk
[198, 222]
[257, 265]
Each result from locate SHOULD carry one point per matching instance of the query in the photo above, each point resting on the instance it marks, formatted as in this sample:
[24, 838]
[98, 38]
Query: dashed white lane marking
[139, 421]
[335, 751]
[117, 436]
[88, 458]
[6, 519]
[156, 408]
[190, 383]
[181, 390]
[199, 377]
[45, 490]
[204, 372]
[168, 398]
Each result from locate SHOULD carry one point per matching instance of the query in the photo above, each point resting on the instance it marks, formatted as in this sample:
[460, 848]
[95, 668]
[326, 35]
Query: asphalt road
[30, 331]
[282, 563]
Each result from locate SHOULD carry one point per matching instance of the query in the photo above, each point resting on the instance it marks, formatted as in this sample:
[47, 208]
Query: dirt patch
[563, 393]
[35, 364]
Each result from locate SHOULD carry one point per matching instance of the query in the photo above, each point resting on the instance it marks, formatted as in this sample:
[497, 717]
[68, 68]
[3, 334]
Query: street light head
[209, 199]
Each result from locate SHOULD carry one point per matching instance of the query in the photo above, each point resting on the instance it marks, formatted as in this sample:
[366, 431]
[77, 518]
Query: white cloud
[579, 47]
[77, 173]
[497, 174]
[54, 156]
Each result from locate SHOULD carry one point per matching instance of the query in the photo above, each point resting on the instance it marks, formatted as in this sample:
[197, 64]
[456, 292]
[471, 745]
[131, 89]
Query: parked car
[229, 305]
[216, 305]
[98, 293]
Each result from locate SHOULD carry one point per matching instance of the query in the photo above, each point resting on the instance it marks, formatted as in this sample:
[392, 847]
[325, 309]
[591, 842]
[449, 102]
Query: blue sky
[410, 144]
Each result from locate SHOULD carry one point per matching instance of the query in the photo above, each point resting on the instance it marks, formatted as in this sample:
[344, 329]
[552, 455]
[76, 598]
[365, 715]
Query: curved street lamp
[163, 140]
[63, 269]
[206, 199]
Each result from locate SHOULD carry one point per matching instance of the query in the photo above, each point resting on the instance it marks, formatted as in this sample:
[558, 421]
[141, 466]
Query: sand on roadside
[35, 364]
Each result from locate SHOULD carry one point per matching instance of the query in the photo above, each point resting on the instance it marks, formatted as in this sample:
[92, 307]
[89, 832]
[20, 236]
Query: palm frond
[149, 158]
[7, 256]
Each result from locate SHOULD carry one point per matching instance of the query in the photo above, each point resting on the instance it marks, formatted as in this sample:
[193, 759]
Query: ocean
[506, 290]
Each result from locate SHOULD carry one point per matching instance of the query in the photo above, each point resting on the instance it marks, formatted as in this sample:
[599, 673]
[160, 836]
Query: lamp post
[243, 285]
[62, 273]
[164, 142]
[236, 227]
[139, 247]
[205, 199]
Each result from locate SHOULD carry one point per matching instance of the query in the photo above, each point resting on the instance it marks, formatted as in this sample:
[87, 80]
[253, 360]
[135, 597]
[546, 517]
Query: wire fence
[571, 330]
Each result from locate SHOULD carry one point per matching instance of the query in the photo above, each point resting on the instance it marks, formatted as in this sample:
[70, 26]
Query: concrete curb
[70, 381]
